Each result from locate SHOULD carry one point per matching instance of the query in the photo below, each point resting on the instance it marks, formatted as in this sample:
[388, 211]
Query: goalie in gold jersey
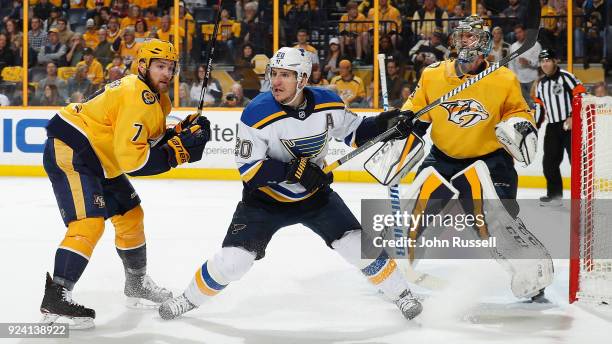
[91, 147]
[488, 123]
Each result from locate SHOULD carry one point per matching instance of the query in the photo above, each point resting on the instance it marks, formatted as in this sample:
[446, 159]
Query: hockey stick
[422, 279]
[209, 59]
[531, 36]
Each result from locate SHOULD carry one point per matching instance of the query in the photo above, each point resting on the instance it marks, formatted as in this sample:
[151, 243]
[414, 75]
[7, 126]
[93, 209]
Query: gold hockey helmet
[157, 49]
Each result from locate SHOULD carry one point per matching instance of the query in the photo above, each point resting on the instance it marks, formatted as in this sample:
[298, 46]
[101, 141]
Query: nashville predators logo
[465, 112]
[148, 97]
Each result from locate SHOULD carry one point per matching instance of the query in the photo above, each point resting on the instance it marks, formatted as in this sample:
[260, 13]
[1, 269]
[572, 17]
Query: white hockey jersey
[271, 135]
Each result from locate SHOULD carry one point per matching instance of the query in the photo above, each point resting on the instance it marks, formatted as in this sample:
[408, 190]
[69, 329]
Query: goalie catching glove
[308, 174]
[519, 137]
[188, 145]
[400, 120]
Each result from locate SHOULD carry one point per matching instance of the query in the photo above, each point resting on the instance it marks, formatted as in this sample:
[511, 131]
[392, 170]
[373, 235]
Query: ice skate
[143, 293]
[409, 305]
[57, 303]
[175, 307]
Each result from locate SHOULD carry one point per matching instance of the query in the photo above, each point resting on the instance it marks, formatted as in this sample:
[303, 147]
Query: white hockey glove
[519, 137]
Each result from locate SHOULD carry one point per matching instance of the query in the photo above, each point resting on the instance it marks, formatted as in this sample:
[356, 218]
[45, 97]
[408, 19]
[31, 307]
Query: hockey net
[591, 239]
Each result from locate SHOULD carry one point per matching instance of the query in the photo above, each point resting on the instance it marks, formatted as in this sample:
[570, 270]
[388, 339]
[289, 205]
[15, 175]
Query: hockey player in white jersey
[280, 151]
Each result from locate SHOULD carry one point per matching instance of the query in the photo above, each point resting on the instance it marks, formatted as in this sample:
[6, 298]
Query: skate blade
[138, 303]
[74, 323]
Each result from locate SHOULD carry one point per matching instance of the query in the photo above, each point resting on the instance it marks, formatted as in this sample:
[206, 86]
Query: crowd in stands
[77, 46]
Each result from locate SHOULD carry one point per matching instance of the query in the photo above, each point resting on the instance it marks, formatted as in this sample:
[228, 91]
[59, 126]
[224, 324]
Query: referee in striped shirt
[554, 94]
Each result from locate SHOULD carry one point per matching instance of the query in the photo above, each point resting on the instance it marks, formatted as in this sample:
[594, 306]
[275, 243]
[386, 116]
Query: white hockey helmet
[295, 59]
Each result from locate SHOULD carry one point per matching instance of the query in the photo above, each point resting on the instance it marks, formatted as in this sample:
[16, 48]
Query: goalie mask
[471, 38]
[295, 59]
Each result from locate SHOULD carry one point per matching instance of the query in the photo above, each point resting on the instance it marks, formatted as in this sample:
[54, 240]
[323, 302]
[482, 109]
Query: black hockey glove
[188, 145]
[400, 120]
[308, 174]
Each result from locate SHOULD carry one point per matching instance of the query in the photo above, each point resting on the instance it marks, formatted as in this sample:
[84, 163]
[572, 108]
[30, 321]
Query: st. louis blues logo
[306, 147]
[465, 112]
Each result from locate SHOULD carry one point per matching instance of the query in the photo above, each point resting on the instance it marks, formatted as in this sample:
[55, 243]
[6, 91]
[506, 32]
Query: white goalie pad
[393, 160]
[520, 253]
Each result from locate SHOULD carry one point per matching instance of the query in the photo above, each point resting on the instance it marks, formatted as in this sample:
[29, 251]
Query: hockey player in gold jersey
[91, 147]
[489, 121]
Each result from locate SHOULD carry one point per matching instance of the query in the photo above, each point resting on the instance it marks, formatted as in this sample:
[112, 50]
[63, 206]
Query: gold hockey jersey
[121, 122]
[464, 125]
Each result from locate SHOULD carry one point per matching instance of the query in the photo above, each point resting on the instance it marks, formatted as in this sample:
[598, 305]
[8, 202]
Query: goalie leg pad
[521, 254]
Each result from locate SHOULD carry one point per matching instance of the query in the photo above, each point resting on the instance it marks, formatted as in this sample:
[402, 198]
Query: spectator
[7, 56]
[18, 52]
[184, 99]
[353, 36]
[186, 19]
[65, 34]
[166, 31]
[428, 18]
[236, 97]
[75, 54]
[43, 9]
[447, 5]
[36, 35]
[484, 14]
[153, 21]
[525, 66]
[50, 96]
[117, 61]
[103, 51]
[228, 33]
[127, 47]
[428, 51]
[549, 27]
[140, 31]
[94, 67]
[54, 16]
[133, 16]
[120, 8]
[392, 18]
[77, 97]
[79, 82]
[112, 30]
[302, 42]
[115, 73]
[455, 16]
[12, 32]
[317, 79]
[600, 89]
[514, 14]
[213, 93]
[554, 95]
[404, 95]
[252, 30]
[330, 66]
[394, 82]
[245, 74]
[386, 47]
[54, 50]
[500, 49]
[90, 35]
[350, 87]
[52, 79]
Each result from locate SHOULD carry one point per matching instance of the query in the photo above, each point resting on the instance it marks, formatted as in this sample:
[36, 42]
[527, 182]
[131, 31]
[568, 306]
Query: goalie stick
[419, 278]
[531, 36]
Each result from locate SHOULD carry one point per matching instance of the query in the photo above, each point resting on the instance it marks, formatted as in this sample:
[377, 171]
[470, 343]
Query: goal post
[591, 216]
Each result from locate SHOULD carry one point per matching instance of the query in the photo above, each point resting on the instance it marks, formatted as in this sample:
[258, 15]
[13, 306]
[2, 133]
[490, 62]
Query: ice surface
[301, 292]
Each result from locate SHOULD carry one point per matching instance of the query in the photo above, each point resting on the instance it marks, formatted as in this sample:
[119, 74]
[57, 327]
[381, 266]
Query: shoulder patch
[148, 97]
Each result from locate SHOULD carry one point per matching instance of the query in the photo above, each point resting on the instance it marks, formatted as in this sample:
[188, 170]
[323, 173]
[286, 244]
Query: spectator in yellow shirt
[90, 35]
[112, 31]
[350, 87]
[145, 3]
[392, 18]
[95, 72]
[92, 4]
[133, 16]
[153, 21]
[140, 31]
[353, 36]
[127, 46]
